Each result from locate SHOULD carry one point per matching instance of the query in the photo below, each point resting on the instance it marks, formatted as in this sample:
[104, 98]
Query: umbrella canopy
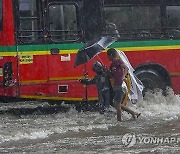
[87, 53]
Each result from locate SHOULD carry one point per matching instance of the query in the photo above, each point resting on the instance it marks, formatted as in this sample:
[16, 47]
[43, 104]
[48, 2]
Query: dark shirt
[117, 71]
[101, 81]
[103, 85]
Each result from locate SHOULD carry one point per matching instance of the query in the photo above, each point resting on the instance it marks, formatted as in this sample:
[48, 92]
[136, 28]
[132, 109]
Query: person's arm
[125, 70]
[87, 81]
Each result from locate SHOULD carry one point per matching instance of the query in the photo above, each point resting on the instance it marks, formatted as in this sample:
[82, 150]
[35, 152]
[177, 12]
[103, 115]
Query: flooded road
[34, 127]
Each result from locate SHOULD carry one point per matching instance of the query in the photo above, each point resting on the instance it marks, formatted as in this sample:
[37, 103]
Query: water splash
[157, 105]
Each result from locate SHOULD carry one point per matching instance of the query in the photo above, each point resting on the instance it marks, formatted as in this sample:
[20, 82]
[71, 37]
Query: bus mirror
[54, 51]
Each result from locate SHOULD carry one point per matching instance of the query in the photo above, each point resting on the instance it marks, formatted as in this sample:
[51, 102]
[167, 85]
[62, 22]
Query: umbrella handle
[100, 60]
[85, 71]
[86, 88]
[85, 74]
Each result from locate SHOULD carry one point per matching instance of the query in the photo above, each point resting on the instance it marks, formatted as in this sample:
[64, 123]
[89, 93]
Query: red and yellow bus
[39, 40]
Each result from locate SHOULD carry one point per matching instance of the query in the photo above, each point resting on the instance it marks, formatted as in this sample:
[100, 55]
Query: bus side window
[92, 19]
[1, 22]
[63, 24]
[29, 22]
[173, 21]
[135, 22]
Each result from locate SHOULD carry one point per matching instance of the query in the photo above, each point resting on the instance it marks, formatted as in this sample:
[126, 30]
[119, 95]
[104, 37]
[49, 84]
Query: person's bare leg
[130, 111]
[118, 110]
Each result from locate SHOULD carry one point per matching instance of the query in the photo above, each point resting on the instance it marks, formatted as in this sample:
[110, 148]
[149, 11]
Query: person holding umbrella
[86, 54]
[102, 82]
[118, 72]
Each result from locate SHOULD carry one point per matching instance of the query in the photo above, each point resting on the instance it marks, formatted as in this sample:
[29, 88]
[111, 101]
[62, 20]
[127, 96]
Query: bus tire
[151, 80]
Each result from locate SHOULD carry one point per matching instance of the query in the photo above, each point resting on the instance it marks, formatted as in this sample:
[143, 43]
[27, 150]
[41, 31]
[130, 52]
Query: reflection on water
[34, 127]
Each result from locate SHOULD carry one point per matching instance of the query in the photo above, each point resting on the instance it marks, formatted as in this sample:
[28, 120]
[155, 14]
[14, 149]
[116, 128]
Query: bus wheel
[151, 80]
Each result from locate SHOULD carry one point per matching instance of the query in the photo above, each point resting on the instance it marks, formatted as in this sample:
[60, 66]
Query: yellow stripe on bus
[51, 79]
[151, 48]
[58, 98]
[65, 78]
[68, 78]
[175, 73]
[33, 82]
[8, 53]
[47, 52]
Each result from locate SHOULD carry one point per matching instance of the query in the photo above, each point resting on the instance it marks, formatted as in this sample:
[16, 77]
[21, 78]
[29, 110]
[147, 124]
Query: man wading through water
[118, 72]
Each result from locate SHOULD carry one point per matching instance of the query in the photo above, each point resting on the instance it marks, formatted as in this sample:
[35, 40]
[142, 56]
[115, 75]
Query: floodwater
[36, 127]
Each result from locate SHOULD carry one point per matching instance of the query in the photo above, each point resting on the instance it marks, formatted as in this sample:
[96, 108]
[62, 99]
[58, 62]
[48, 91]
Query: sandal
[138, 115]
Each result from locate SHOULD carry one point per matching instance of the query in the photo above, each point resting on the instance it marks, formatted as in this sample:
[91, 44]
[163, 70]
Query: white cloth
[137, 87]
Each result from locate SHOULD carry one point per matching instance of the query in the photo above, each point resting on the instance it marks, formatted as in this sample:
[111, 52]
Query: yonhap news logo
[130, 139]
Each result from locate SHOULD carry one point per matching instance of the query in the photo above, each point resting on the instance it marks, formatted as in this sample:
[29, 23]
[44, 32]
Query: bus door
[31, 48]
[68, 24]
[64, 34]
